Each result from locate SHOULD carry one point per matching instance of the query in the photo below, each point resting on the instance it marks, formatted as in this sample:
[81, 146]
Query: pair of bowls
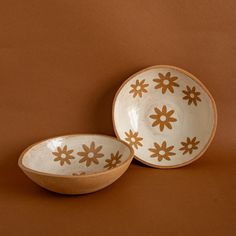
[163, 115]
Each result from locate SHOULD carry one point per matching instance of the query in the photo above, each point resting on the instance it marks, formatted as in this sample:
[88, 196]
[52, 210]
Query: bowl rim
[215, 116]
[27, 169]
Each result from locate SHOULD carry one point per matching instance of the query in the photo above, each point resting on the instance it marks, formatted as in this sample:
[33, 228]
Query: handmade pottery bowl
[76, 164]
[166, 114]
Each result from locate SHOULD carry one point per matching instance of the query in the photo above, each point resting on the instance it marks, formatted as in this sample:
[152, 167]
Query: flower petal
[161, 76]
[157, 146]
[70, 151]
[172, 119]
[155, 123]
[64, 148]
[95, 160]
[164, 88]
[169, 113]
[164, 145]
[164, 109]
[171, 153]
[81, 153]
[168, 74]
[83, 159]
[92, 146]
[56, 154]
[168, 125]
[99, 148]
[158, 86]
[162, 126]
[171, 89]
[86, 148]
[169, 148]
[99, 155]
[167, 158]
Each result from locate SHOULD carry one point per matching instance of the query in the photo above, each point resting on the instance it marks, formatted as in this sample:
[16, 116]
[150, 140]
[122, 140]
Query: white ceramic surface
[99, 158]
[166, 114]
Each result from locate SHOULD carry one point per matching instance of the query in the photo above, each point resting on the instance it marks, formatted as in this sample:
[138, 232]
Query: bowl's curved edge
[24, 168]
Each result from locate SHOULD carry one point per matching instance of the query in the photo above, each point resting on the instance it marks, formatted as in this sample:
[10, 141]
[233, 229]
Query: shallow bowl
[76, 164]
[166, 114]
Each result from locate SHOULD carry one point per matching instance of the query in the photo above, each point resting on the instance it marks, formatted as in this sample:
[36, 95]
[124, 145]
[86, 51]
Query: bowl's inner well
[76, 155]
[165, 115]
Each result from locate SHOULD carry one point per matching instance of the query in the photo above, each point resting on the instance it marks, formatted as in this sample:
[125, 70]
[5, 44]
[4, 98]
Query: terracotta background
[61, 63]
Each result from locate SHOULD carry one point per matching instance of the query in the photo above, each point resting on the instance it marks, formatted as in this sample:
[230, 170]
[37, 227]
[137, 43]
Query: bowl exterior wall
[80, 184]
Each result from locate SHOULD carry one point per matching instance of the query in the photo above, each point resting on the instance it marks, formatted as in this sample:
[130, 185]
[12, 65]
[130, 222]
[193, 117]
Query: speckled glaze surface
[75, 164]
[166, 114]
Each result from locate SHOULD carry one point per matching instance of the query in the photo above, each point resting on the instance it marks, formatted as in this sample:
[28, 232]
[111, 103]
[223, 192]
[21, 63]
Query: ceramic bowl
[76, 164]
[166, 114]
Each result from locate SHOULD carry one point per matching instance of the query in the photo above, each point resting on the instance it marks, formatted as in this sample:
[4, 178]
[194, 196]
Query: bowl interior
[166, 114]
[76, 155]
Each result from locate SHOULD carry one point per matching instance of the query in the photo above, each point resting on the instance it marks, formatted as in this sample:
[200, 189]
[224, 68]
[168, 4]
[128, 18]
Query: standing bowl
[76, 164]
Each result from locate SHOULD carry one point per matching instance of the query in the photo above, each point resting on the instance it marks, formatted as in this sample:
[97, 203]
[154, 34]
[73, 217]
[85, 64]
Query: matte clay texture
[61, 63]
[166, 114]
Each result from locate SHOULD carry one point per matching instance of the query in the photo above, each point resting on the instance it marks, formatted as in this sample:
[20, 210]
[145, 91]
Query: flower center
[162, 152]
[113, 162]
[192, 95]
[166, 81]
[63, 155]
[138, 87]
[133, 140]
[90, 155]
[162, 118]
[190, 146]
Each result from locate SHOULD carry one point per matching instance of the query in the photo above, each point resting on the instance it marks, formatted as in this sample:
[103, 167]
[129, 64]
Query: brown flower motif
[133, 139]
[162, 152]
[191, 95]
[166, 82]
[63, 155]
[138, 88]
[163, 118]
[90, 154]
[189, 145]
[113, 161]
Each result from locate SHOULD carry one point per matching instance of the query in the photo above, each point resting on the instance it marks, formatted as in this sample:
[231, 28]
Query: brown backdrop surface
[61, 63]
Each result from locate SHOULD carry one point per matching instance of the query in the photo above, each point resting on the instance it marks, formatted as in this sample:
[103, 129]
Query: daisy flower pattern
[191, 95]
[166, 82]
[113, 161]
[138, 88]
[90, 154]
[189, 146]
[163, 118]
[63, 155]
[162, 151]
[133, 139]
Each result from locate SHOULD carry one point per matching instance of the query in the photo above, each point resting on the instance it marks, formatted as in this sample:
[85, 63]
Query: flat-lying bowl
[166, 114]
[76, 164]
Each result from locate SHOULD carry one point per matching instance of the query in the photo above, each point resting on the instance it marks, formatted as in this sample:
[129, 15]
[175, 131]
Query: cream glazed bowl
[166, 114]
[76, 164]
